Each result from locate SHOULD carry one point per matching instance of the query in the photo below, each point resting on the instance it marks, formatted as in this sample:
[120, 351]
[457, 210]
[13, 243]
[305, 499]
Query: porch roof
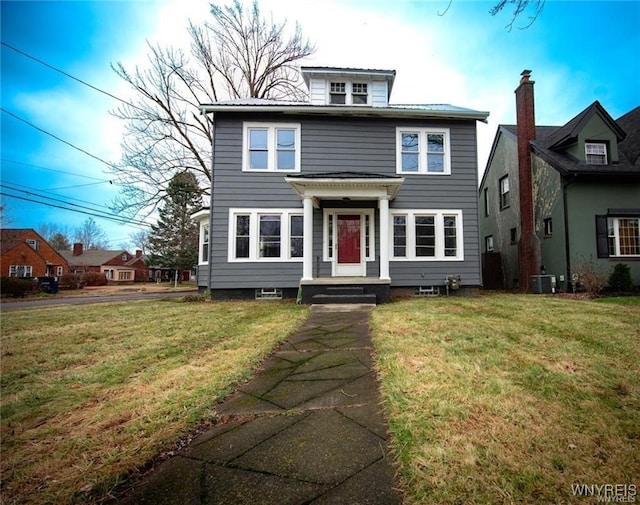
[340, 185]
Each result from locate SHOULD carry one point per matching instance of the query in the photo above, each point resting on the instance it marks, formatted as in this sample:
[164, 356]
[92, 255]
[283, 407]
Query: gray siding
[330, 144]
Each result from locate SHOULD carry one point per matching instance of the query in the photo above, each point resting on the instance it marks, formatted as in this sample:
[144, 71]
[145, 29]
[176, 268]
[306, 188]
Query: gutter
[213, 163]
[565, 208]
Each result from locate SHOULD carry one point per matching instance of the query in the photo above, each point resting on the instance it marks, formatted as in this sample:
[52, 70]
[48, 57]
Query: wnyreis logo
[606, 493]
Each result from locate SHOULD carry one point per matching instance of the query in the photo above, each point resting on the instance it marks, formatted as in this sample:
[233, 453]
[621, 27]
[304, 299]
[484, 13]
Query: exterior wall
[23, 254]
[331, 144]
[585, 201]
[498, 223]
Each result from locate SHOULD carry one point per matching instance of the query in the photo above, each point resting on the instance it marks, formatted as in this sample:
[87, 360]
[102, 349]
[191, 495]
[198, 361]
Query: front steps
[344, 294]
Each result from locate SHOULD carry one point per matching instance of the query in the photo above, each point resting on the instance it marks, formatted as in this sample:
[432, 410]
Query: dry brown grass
[91, 393]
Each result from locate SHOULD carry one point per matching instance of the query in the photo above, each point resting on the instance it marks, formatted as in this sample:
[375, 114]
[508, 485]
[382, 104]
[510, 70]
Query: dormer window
[595, 153]
[359, 93]
[338, 93]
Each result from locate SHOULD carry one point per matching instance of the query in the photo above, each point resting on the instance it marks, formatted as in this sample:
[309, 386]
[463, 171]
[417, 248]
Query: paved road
[81, 300]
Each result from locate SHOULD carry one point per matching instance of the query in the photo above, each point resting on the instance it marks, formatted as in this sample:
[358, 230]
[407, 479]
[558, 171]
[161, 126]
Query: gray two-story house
[343, 195]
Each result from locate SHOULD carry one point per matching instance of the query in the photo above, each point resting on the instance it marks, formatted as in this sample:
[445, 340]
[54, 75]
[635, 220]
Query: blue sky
[578, 51]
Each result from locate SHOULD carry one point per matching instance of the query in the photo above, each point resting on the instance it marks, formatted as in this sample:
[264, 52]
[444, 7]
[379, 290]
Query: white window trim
[348, 92]
[201, 259]
[13, 270]
[601, 146]
[271, 146]
[325, 231]
[59, 271]
[254, 228]
[422, 150]
[411, 234]
[616, 237]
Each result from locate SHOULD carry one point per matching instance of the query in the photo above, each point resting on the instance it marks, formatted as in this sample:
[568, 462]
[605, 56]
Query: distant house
[24, 253]
[118, 266]
[346, 194]
[556, 197]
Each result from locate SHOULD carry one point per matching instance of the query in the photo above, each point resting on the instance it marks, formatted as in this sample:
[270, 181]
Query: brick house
[116, 265]
[24, 253]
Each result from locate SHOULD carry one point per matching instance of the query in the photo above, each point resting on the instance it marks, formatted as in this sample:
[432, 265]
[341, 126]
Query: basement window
[269, 294]
[427, 291]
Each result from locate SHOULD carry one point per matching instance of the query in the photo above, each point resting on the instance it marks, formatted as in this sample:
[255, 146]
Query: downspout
[210, 252]
[565, 208]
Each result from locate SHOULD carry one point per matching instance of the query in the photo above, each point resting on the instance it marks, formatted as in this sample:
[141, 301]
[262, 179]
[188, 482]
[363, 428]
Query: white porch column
[384, 238]
[307, 239]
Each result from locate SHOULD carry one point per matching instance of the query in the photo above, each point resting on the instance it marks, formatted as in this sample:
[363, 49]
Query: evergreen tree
[173, 241]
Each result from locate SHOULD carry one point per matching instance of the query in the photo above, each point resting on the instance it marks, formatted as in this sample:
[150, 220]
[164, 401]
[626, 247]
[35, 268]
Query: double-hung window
[504, 192]
[271, 147]
[423, 151]
[338, 93]
[427, 235]
[359, 93]
[20, 270]
[623, 236]
[595, 153]
[204, 243]
[265, 235]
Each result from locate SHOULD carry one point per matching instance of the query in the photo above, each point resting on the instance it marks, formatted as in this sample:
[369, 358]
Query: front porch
[346, 290]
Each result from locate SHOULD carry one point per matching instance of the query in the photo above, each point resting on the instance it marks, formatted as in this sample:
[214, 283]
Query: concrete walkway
[307, 429]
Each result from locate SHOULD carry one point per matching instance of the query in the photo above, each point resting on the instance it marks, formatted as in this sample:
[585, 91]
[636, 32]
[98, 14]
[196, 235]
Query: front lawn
[92, 392]
[512, 398]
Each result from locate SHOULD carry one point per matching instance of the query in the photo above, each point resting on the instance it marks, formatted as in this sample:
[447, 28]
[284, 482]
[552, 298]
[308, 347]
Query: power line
[30, 189]
[4, 160]
[111, 165]
[115, 219]
[27, 55]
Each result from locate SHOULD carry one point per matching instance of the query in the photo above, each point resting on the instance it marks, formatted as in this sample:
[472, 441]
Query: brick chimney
[138, 253]
[77, 249]
[528, 245]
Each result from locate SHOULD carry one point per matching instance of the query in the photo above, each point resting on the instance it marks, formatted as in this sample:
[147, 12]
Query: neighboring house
[24, 253]
[117, 266]
[581, 184]
[343, 195]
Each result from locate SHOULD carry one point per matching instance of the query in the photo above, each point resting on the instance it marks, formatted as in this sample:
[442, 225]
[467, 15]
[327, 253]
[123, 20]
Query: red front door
[349, 239]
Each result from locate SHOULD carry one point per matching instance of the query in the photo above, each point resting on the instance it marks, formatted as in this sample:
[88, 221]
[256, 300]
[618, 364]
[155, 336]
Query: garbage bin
[49, 284]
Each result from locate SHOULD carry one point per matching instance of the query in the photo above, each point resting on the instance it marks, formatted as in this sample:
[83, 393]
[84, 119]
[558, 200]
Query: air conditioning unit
[541, 284]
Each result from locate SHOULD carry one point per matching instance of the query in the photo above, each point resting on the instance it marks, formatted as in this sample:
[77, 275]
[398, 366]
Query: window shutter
[602, 236]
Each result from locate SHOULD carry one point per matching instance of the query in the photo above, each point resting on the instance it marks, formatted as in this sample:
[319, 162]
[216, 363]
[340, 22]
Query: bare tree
[238, 54]
[140, 240]
[90, 235]
[520, 7]
[55, 232]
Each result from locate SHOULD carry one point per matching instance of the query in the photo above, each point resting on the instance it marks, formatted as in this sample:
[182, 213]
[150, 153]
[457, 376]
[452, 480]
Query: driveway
[6, 306]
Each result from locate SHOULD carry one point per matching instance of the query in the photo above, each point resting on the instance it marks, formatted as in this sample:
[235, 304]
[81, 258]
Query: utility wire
[115, 219]
[111, 165]
[27, 55]
[30, 189]
[4, 160]
[104, 214]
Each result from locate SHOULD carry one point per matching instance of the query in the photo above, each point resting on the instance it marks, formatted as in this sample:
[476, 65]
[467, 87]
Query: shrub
[620, 278]
[17, 287]
[70, 281]
[589, 278]
[95, 279]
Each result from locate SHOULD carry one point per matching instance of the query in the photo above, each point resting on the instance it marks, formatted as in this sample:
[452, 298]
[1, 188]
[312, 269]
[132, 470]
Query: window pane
[330, 237]
[435, 163]
[425, 236]
[258, 139]
[286, 160]
[409, 162]
[435, 143]
[629, 236]
[295, 231]
[286, 139]
[450, 236]
[259, 160]
[399, 236]
[269, 237]
[409, 142]
[242, 236]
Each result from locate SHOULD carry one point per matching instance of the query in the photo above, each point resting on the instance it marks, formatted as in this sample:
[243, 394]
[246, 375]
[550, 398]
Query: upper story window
[338, 93]
[595, 153]
[33, 243]
[348, 93]
[271, 147]
[423, 151]
[504, 192]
